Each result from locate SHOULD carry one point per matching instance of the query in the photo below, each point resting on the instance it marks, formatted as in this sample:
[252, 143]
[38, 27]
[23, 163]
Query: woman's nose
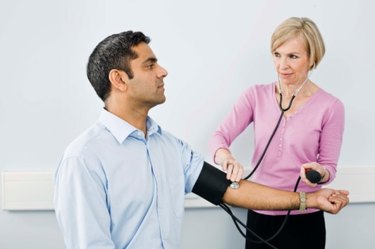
[283, 63]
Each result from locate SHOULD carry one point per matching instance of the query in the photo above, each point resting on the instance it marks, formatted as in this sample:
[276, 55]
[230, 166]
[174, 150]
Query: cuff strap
[211, 184]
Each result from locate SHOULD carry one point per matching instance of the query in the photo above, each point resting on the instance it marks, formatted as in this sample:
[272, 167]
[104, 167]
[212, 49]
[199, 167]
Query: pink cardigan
[313, 134]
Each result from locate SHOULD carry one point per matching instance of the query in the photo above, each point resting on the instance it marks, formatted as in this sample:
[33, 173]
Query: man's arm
[80, 206]
[213, 186]
[251, 195]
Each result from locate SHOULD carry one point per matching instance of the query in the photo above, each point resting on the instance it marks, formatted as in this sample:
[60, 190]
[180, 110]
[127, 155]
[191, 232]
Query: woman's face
[291, 61]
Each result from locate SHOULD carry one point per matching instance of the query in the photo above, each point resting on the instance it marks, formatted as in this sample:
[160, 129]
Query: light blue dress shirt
[114, 188]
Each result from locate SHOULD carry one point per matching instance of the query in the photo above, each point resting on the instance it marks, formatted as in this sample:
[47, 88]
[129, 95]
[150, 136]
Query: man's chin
[162, 100]
[159, 102]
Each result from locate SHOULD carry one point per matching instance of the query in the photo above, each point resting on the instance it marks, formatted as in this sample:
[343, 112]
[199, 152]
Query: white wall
[212, 49]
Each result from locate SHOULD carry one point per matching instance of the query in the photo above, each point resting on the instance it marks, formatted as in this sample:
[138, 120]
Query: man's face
[146, 88]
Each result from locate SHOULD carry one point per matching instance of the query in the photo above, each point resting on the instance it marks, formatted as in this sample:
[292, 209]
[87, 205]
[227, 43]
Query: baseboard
[34, 190]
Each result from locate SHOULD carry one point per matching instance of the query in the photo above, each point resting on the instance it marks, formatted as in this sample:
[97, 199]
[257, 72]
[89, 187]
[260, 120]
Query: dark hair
[114, 52]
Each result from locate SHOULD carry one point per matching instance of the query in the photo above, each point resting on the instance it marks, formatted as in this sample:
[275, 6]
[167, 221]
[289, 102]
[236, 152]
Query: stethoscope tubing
[237, 221]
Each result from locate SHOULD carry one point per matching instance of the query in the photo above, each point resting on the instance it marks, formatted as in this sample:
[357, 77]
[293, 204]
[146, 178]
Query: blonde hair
[305, 28]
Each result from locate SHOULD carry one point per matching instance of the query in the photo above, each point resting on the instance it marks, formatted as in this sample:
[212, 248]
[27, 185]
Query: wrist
[325, 176]
[311, 201]
[302, 201]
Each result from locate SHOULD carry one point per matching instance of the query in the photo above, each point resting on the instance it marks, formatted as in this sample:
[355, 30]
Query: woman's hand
[233, 168]
[317, 167]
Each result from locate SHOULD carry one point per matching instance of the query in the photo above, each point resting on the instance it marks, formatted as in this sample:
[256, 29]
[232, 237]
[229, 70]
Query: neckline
[300, 108]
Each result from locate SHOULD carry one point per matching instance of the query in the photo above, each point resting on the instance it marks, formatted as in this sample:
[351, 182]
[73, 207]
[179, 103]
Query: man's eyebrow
[150, 59]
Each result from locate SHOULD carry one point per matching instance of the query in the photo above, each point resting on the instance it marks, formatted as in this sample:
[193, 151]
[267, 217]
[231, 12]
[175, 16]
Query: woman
[307, 137]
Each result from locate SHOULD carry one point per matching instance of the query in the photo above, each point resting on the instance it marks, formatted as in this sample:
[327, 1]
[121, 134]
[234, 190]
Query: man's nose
[162, 72]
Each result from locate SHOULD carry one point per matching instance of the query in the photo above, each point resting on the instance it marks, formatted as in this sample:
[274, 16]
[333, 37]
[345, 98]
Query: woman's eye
[292, 56]
[276, 54]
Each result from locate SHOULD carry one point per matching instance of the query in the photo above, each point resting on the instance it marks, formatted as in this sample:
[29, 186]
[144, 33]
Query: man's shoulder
[169, 140]
[86, 140]
[171, 137]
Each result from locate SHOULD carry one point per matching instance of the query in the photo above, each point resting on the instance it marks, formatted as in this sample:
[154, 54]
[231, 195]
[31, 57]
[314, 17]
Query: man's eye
[150, 66]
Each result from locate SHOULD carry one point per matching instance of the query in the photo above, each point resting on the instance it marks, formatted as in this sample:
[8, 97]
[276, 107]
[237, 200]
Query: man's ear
[118, 79]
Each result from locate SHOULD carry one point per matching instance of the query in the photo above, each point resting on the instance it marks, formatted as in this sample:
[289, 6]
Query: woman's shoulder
[263, 86]
[327, 96]
[329, 102]
[260, 89]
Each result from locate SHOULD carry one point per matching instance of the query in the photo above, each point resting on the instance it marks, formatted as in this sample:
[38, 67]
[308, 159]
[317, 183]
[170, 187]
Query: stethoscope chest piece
[234, 185]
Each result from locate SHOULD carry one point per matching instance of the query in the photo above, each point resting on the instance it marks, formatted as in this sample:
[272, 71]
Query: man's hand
[329, 200]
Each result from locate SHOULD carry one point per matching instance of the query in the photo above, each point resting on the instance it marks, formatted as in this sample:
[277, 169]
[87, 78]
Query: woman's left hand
[317, 167]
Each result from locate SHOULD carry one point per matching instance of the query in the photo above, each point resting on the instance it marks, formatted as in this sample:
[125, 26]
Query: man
[121, 184]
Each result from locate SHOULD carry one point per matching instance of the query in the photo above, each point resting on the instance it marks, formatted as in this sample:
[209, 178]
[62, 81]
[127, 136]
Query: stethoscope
[283, 110]
[235, 185]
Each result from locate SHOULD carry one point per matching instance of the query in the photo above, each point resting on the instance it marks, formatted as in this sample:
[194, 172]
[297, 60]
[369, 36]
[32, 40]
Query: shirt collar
[121, 129]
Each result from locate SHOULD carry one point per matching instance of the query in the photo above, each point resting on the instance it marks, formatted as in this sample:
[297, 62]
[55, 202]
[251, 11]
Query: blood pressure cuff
[211, 184]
